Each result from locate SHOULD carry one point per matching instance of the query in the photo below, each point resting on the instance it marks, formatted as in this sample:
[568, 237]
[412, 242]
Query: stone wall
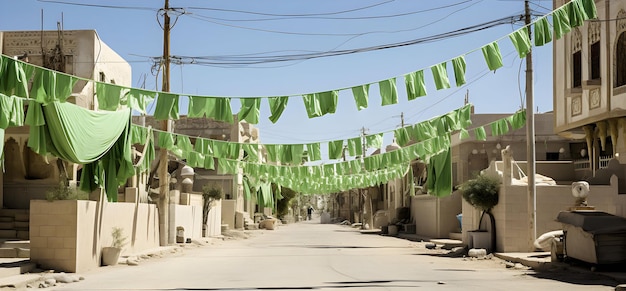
[435, 217]
[68, 235]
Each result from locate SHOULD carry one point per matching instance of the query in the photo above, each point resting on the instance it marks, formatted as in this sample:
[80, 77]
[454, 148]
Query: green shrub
[482, 192]
[64, 192]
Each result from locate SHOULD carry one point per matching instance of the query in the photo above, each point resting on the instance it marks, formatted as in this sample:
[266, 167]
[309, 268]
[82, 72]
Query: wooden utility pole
[164, 181]
[530, 137]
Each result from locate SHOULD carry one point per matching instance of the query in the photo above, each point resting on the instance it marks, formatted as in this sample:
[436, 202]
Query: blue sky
[136, 36]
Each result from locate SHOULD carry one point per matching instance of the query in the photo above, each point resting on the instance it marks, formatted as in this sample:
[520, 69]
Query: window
[620, 61]
[595, 60]
[576, 69]
[103, 77]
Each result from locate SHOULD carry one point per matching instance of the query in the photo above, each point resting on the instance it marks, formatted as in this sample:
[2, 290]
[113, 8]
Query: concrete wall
[186, 216]
[435, 217]
[513, 226]
[69, 235]
[228, 212]
[214, 221]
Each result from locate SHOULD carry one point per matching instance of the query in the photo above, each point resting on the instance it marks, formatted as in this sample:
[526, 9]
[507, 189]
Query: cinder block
[23, 253]
[66, 231]
[6, 219]
[39, 242]
[48, 231]
[62, 254]
[4, 233]
[22, 217]
[7, 225]
[21, 225]
[8, 253]
[69, 242]
[55, 242]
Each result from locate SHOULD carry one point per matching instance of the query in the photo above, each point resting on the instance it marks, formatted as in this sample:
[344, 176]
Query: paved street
[310, 255]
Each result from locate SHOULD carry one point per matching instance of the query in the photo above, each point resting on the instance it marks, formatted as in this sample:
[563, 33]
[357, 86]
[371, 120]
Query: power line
[254, 60]
[315, 16]
[99, 5]
[291, 15]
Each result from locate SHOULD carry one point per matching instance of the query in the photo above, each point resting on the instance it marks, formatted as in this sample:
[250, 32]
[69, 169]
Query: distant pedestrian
[309, 212]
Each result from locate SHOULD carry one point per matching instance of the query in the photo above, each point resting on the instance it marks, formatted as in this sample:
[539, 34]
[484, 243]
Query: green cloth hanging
[219, 109]
[108, 96]
[459, 70]
[165, 140]
[560, 19]
[463, 134]
[521, 41]
[440, 75]
[225, 166]
[355, 147]
[14, 77]
[11, 111]
[252, 152]
[320, 104]
[277, 106]
[203, 146]
[198, 107]
[415, 85]
[576, 13]
[374, 140]
[313, 152]
[480, 133]
[100, 141]
[166, 106]
[335, 149]
[517, 120]
[388, 91]
[439, 181]
[361, 95]
[402, 136]
[492, 56]
[543, 33]
[273, 152]
[590, 8]
[499, 127]
[139, 99]
[49, 86]
[250, 110]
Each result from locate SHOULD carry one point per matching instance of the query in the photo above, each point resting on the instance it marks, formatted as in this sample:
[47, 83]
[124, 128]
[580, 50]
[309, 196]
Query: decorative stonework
[20, 42]
[577, 42]
[577, 105]
[594, 98]
[594, 32]
[621, 22]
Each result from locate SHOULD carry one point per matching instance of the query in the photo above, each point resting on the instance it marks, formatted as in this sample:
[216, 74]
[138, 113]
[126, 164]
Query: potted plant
[210, 193]
[111, 254]
[482, 193]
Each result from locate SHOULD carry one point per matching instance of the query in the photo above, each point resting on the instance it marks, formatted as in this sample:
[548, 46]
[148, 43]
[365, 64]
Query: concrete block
[23, 253]
[47, 231]
[22, 217]
[23, 234]
[7, 225]
[39, 242]
[55, 242]
[62, 254]
[6, 219]
[8, 253]
[4, 233]
[21, 224]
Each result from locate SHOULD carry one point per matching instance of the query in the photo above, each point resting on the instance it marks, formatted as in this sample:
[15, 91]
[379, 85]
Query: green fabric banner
[521, 41]
[361, 95]
[313, 152]
[320, 104]
[560, 19]
[166, 107]
[543, 34]
[335, 149]
[492, 56]
[459, 70]
[250, 110]
[440, 75]
[415, 85]
[388, 91]
[277, 106]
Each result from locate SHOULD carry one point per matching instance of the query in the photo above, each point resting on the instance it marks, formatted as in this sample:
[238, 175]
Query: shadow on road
[347, 284]
[336, 247]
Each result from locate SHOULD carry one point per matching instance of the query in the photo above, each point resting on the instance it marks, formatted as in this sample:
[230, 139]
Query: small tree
[482, 193]
[210, 193]
[284, 203]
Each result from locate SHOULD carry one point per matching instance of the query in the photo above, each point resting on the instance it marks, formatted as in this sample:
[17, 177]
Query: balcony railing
[604, 161]
[582, 164]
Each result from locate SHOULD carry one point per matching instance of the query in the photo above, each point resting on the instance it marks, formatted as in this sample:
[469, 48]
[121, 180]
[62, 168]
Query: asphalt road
[313, 256]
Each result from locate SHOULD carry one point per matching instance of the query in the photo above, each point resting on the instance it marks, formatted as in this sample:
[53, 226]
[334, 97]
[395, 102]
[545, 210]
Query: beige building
[590, 84]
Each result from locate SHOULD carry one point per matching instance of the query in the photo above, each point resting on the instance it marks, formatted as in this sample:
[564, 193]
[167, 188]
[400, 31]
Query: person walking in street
[309, 212]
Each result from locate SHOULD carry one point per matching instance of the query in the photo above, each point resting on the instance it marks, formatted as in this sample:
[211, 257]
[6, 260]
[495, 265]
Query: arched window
[620, 60]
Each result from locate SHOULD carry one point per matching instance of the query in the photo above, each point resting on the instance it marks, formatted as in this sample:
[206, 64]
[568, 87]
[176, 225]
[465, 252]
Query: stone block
[22, 217]
[23, 253]
[47, 231]
[7, 225]
[4, 233]
[39, 242]
[55, 242]
[62, 254]
[21, 224]
[6, 219]
[8, 253]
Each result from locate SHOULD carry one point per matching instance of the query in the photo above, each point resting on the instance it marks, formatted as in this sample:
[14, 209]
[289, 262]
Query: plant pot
[110, 256]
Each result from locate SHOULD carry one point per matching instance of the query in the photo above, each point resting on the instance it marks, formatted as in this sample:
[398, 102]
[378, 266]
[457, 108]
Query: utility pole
[530, 136]
[164, 182]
